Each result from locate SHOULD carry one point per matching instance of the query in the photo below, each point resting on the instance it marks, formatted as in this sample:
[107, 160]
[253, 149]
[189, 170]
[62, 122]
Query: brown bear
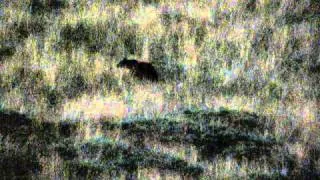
[142, 70]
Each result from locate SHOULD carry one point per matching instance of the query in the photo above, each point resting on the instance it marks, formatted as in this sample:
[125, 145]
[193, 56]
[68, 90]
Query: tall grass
[58, 63]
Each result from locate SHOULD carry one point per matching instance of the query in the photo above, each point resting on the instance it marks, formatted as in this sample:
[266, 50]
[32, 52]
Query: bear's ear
[120, 64]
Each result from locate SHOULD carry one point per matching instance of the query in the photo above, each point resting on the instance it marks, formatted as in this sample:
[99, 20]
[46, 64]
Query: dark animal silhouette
[142, 70]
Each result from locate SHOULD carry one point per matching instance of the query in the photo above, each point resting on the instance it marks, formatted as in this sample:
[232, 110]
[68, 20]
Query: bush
[71, 81]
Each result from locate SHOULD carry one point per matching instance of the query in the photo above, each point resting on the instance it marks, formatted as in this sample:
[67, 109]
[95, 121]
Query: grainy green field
[238, 95]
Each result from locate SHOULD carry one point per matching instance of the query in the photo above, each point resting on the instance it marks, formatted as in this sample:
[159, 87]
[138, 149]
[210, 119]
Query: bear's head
[126, 63]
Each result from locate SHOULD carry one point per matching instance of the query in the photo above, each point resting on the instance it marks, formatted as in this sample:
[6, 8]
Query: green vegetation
[238, 95]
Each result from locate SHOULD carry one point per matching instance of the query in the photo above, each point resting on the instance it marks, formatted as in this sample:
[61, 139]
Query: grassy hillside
[238, 95]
